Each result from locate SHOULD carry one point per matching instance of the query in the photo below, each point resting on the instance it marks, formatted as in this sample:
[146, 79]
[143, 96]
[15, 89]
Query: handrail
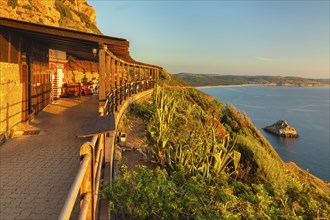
[69, 202]
[84, 207]
[128, 89]
[98, 180]
[92, 156]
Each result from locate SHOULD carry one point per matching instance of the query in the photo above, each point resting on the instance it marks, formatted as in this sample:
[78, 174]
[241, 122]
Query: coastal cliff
[208, 150]
[69, 14]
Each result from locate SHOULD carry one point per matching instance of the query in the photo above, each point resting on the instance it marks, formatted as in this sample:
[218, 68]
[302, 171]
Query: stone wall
[78, 76]
[10, 97]
[81, 71]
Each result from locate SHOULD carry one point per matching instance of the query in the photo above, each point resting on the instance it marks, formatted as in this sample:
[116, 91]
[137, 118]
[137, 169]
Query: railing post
[102, 74]
[130, 88]
[87, 185]
[113, 101]
[109, 103]
[125, 91]
[120, 93]
[116, 99]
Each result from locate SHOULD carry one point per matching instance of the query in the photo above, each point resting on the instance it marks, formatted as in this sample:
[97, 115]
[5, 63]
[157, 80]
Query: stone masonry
[10, 96]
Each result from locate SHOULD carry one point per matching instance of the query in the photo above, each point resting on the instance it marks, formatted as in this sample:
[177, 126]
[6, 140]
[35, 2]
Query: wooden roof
[77, 43]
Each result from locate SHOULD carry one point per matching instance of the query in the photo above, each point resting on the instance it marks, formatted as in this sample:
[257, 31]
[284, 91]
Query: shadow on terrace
[38, 170]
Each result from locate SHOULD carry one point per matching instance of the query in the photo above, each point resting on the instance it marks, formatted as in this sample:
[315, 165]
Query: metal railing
[87, 180]
[92, 157]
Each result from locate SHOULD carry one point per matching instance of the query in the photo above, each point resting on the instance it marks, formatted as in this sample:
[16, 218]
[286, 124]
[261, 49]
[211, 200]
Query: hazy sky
[224, 37]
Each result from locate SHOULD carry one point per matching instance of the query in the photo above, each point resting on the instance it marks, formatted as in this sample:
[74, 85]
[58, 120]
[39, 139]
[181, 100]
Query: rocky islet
[283, 129]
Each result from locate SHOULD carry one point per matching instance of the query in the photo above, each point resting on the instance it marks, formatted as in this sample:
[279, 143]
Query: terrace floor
[36, 171]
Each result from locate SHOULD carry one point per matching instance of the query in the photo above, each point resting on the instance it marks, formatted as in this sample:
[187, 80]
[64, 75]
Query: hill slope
[216, 80]
[214, 164]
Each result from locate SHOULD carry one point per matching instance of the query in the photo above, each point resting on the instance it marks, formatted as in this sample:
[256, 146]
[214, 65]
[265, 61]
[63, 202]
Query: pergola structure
[26, 45]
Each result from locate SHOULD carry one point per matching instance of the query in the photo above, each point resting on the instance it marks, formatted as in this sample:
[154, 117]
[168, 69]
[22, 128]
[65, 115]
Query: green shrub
[40, 21]
[27, 6]
[154, 194]
[64, 10]
[145, 110]
[85, 19]
[149, 194]
[12, 3]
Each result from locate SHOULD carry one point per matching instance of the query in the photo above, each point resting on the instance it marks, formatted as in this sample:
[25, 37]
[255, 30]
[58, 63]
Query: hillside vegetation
[212, 164]
[216, 80]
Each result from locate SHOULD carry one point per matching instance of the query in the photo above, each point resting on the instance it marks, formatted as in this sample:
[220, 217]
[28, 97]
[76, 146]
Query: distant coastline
[241, 85]
[215, 80]
[238, 85]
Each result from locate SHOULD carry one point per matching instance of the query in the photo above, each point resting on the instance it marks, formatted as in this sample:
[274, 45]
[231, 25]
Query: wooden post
[154, 77]
[134, 77]
[139, 74]
[108, 74]
[118, 73]
[146, 78]
[128, 74]
[102, 94]
[116, 99]
[123, 79]
[112, 67]
[129, 79]
[87, 185]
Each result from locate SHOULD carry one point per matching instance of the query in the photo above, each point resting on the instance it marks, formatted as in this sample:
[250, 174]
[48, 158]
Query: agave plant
[197, 148]
[165, 110]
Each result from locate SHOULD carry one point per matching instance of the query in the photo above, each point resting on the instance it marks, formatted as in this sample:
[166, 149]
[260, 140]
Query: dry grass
[303, 175]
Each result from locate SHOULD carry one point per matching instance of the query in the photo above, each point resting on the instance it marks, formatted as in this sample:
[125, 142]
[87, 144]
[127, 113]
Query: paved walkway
[36, 171]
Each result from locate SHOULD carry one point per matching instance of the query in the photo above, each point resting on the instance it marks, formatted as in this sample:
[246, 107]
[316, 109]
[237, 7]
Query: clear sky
[223, 37]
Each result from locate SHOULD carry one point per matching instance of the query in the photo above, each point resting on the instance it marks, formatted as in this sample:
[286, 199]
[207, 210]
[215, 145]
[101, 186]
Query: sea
[307, 109]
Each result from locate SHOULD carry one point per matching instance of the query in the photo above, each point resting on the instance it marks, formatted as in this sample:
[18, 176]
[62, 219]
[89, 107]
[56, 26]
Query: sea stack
[283, 129]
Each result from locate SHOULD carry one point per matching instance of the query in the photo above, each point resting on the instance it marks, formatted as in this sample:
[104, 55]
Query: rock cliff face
[70, 14]
[282, 128]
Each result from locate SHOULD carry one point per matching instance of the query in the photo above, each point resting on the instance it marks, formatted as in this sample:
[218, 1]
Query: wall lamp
[94, 50]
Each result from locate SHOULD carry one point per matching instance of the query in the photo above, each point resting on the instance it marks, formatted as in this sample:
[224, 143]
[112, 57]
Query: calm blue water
[306, 109]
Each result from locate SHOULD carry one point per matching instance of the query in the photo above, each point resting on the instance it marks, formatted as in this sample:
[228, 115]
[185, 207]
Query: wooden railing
[87, 180]
[121, 93]
[92, 156]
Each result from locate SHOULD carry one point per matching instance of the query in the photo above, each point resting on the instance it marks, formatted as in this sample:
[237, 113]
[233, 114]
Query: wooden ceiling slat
[77, 43]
